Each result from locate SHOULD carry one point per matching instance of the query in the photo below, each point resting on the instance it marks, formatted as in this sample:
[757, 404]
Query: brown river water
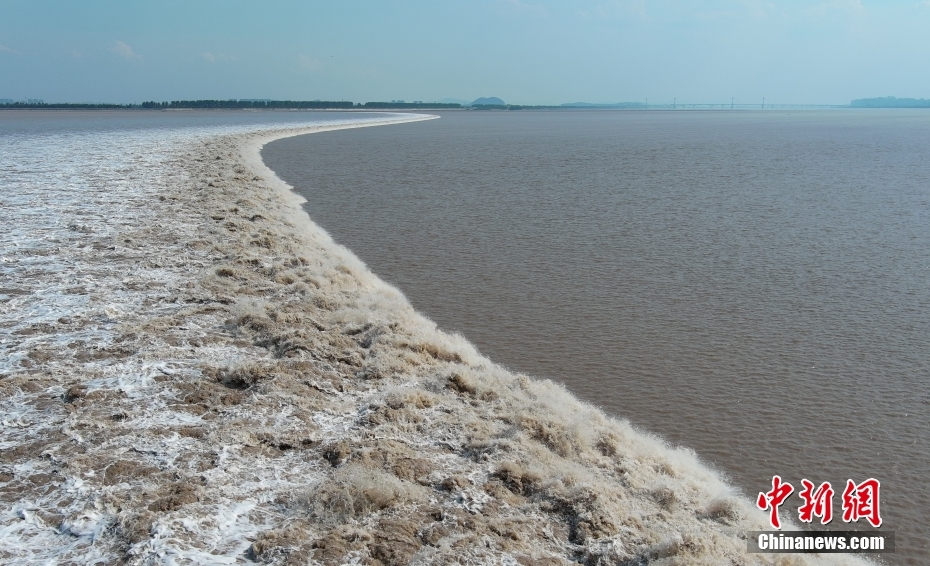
[754, 286]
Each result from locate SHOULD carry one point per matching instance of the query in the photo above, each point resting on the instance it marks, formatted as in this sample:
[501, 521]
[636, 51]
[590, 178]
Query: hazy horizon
[525, 52]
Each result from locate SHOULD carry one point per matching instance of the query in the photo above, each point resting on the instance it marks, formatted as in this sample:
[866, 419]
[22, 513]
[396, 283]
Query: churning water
[753, 285]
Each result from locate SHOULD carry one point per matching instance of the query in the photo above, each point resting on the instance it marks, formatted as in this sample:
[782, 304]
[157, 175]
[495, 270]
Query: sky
[523, 51]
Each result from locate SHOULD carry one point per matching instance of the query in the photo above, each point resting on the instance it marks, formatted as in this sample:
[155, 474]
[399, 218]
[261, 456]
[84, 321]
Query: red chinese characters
[817, 503]
[773, 499]
[861, 501]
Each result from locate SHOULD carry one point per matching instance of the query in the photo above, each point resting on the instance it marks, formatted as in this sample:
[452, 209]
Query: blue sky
[524, 51]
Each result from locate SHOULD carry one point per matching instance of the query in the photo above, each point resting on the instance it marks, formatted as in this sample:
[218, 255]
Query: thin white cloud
[124, 50]
[307, 63]
[209, 57]
[5, 49]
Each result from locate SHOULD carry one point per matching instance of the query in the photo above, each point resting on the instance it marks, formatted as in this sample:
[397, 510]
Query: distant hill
[488, 101]
[890, 102]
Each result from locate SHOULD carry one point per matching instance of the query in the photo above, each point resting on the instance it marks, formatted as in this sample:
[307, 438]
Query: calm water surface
[752, 285]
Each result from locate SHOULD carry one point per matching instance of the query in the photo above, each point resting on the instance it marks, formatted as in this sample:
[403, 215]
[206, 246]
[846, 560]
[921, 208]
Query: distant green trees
[291, 104]
[433, 105]
[288, 104]
[66, 106]
[243, 104]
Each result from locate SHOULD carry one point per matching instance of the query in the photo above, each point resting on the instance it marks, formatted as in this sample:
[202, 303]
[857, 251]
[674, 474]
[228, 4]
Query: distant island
[891, 102]
[488, 101]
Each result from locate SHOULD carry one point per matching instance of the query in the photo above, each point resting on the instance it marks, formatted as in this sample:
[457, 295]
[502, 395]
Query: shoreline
[309, 413]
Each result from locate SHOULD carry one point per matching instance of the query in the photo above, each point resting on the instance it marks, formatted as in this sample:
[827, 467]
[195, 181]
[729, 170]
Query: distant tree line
[434, 105]
[291, 104]
[282, 104]
[288, 104]
[517, 107]
[240, 104]
[318, 104]
[891, 102]
[66, 106]
[882, 102]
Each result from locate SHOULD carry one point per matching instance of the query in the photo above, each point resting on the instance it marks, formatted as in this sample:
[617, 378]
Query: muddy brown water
[751, 285]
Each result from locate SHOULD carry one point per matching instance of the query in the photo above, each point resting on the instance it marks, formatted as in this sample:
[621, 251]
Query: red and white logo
[860, 501]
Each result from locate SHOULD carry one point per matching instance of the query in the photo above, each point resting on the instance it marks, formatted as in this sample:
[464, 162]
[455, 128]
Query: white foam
[73, 274]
